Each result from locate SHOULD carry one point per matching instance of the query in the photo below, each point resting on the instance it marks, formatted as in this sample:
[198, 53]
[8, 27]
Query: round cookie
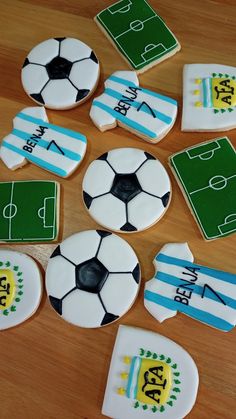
[20, 288]
[126, 190]
[92, 278]
[60, 73]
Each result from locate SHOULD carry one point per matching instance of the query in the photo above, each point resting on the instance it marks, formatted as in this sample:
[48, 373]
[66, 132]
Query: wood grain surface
[50, 369]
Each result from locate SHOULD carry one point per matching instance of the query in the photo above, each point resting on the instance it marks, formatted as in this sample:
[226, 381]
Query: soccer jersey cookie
[20, 288]
[29, 211]
[206, 174]
[209, 97]
[150, 376]
[92, 278]
[56, 149]
[205, 294]
[139, 34]
[60, 73]
[143, 112]
[126, 190]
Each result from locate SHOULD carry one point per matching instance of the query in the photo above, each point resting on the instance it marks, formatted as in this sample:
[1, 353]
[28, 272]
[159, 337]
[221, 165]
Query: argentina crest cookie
[209, 97]
[139, 34]
[93, 278]
[60, 73]
[20, 288]
[206, 174]
[29, 211]
[143, 112]
[33, 139]
[150, 376]
[180, 285]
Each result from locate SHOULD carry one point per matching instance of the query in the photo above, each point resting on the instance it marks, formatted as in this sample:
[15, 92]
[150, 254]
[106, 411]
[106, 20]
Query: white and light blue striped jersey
[56, 149]
[205, 294]
[147, 114]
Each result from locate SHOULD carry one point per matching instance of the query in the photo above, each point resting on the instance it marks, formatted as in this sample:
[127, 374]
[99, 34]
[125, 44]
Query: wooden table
[50, 369]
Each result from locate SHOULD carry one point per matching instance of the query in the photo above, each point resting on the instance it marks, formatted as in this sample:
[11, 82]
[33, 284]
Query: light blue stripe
[206, 84]
[65, 131]
[44, 144]
[159, 115]
[214, 273]
[148, 92]
[196, 289]
[131, 372]
[35, 160]
[193, 312]
[125, 120]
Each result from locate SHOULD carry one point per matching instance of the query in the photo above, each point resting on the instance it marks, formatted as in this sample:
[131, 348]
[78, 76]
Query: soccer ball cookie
[60, 73]
[20, 288]
[92, 278]
[150, 376]
[126, 190]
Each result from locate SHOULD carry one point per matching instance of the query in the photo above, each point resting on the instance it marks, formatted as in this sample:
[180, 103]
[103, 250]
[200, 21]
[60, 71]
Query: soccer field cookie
[150, 376]
[209, 97]
[29, 211]
[60, 73]
[20, 288]
[139, 34]
[56, 149]
[126, 190]
[92, 278]
[203, 293]
[143, 112]
[206, 174]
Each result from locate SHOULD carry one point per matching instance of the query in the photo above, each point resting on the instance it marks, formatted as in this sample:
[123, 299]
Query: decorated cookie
[29, 211]
[56, 149]
[20, 288]
[92, 278]
[143, 112]
[150, 376]
[126, 190]
[60, 73]
[205, 294]
[139, 34]
[209, 97]
[206, 174]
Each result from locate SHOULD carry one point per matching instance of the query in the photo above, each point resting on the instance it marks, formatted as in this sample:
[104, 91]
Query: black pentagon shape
[56, 303]
[93, 57]
[56, 252]
[136, 273]
[38, 97]
[125, 186]
[82, 93]
[103, 157]
[59, 68]
[149, 156]
[26, 62]
[103, 233]
[109, 318]
[128, 227]
[87, 199]
[91, 275]
[59, 39]
[165, 199]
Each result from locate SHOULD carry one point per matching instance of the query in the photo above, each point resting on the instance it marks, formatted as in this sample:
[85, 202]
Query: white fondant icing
[28, 288]
[58, 150]
[136, 190]
[200, 118]
[60, 73]
[206, 294]
[129, 340]
[92, 278]
[145, 113]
